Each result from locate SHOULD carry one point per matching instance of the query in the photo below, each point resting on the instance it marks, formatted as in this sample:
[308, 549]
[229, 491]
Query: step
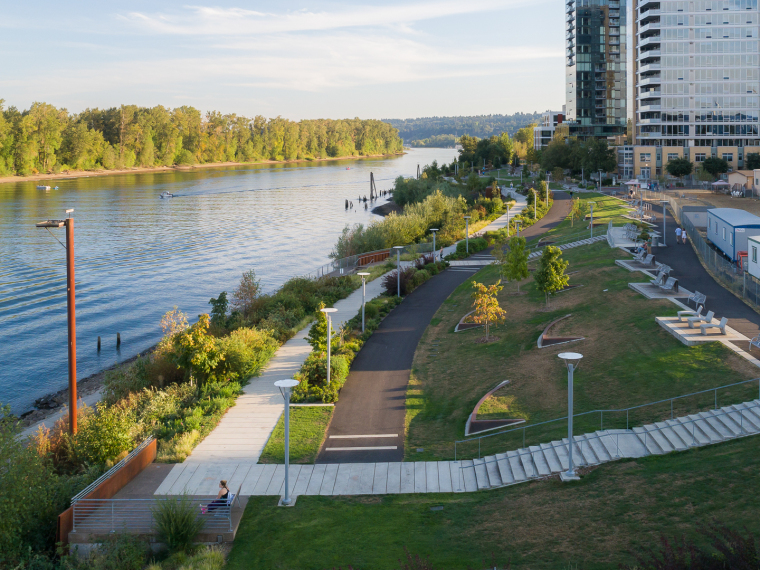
[724, 417]
[649, 442]
[481, 474]
[494, 477]
[505, 471]
[599, 448]
[699, 437]
[681, 431]
[518, 471]
[720, 427]
[551, 458]
[705, 427]
[526, 459]
[745, 419]
[540, 461]
[586, 451]
[560, 448]
[578, 458]
[609, 440]
[665, 445]
[750, 411]
[672, 436]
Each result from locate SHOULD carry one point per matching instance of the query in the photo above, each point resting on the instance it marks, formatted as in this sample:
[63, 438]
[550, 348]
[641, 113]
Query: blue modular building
[729, 228]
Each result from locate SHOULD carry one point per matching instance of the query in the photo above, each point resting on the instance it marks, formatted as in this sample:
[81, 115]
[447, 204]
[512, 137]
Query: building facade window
[728, 156]
[754, 254]
[645, 157]
[699, 157]
[672, 156]
[724, 234]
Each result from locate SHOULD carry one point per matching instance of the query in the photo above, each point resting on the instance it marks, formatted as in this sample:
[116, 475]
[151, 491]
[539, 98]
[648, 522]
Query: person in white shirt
[683, 236]
[678, 235]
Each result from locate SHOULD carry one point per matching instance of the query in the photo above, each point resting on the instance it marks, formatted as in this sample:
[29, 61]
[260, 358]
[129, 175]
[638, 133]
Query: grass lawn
[308, 426]
[628, 360]
[606, 208]
[615, 510]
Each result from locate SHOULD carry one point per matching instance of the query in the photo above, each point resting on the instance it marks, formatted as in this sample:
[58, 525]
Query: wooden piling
[98, 344]
[118, 340]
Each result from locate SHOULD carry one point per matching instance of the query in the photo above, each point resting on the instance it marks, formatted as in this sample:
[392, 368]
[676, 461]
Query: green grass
[606, 208]
[308, 426]
[615, 511]
[628, 360]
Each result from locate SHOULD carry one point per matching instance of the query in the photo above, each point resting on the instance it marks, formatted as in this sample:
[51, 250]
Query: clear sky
[301, 60]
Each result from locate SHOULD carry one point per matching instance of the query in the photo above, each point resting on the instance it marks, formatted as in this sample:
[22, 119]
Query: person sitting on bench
[221, 498]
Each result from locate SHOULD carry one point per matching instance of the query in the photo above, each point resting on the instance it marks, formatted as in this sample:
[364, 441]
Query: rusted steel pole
[72, 325]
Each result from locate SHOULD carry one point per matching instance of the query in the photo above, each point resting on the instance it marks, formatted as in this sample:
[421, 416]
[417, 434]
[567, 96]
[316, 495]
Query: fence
[614, 417]
[347, 265]
[104, 516]
[578, 236]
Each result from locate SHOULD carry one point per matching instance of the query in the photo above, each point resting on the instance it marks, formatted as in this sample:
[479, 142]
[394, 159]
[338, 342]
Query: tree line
[47, 139]
[481, 126]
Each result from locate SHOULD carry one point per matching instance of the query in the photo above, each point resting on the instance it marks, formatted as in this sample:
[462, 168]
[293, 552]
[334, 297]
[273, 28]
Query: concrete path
[246, 427]
[493, 471]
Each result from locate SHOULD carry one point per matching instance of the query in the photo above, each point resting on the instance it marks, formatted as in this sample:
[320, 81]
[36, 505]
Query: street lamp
[592, 218]
[286, 386]
[68, 223]
[433, 230]
[664, 203]
[327, 312]
[398, 249]
[364, 294]
[548, 181]
[517, 223]
[600, 181]
[572, 360]
[467, 233]
[535, 202]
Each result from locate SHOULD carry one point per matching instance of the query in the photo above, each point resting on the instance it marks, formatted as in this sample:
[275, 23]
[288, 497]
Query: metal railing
[347, 265]
[103, 516]
[108, 474]
[601, 413]
[578, 236]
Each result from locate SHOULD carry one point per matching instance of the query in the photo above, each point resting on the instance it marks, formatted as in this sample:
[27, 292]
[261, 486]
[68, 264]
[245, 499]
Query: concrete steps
[570, 245]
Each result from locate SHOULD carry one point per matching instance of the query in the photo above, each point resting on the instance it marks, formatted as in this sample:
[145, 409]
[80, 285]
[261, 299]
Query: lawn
[616, 510]
[606, 208]
[628, 360]
[308, 426]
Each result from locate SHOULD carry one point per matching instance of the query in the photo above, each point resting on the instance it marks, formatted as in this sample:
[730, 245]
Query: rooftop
[735, 217]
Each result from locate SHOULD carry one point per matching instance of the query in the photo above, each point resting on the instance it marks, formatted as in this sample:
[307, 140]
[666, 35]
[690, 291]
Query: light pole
[327, 312]
[535, 201]
[398, 249]
[548, 181]
[433, 230]
[508, 208]
[517, 223]
[592, 218]
[572, 360]
[68, 223]
[286, 386]
[600, 181]
[664, 202]
[364, 294]
[467, 234]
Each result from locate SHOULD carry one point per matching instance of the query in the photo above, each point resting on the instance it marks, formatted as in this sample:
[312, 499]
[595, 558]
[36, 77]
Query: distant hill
[438, 131]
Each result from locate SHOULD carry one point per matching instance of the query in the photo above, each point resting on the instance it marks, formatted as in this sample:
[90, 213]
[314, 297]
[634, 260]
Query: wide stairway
[678, 434]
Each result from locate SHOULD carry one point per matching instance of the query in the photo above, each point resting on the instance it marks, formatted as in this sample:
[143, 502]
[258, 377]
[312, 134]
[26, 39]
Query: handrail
[108, 474]
[603, 411]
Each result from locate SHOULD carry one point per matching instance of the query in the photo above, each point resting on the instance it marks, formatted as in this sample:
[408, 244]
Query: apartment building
[696, 80]
[547, 126]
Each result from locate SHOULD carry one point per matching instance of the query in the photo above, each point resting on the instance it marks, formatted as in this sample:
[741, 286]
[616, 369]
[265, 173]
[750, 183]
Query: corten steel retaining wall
[374, 257]
[108, 488]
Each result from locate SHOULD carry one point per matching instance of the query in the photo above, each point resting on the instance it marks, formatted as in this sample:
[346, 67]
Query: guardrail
[104, 516]
[601, 413]
[347, 265]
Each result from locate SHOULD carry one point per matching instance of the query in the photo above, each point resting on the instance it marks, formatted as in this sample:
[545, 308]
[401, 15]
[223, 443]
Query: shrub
[104, 434]
[245, 352]
[177, 522]
[313, 378]
[390, 281]
[116, 552]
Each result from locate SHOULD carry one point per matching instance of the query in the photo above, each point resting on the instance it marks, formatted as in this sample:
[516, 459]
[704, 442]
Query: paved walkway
[499, 470]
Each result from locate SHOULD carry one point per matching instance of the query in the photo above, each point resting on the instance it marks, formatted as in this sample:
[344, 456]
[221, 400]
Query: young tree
[715, 166]
[487, 309]
[516, 262]
[245, 296]
[679, 167]
[550, 275]
[317, 336]
[752, 161]
[219, 309]
[558, 174]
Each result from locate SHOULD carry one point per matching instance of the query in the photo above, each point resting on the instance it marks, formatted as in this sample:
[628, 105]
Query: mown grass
[615, 512]
[308, 426]
[606, 208]
[628, 360]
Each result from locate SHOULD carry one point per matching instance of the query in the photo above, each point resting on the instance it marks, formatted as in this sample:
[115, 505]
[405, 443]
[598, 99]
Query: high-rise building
[595, 73]
[696, 82]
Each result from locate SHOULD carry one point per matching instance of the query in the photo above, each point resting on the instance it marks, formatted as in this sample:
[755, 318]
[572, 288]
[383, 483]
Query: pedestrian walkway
[245, 429]
[499, 470]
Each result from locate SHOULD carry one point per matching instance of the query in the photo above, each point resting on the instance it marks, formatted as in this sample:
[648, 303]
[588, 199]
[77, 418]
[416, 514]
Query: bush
[246, 351]
[116, 552]
[313, 378]
[476, 245]
[391, 281]
[105, 434]
[177, 522]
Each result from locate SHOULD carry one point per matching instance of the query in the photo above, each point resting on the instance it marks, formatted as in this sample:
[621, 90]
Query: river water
[137, 256]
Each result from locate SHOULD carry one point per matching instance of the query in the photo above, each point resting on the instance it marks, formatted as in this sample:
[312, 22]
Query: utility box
[729, 229]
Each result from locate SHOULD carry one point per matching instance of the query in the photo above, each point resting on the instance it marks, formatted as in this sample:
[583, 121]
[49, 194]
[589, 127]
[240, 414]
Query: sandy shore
[139, 170]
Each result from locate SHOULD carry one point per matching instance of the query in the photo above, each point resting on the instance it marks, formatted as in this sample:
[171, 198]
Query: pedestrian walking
[678, 235]
[683, 236]
[441, 253]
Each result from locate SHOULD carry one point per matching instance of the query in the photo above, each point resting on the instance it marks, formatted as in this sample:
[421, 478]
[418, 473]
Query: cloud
[203, 20]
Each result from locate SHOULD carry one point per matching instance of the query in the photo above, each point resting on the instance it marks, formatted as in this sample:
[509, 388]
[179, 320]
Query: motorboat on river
[166, 195]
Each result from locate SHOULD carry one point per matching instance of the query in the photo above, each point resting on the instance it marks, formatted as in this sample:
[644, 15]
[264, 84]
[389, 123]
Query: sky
[300, 60]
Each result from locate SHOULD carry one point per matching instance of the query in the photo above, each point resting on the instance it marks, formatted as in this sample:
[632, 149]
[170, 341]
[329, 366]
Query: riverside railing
[347, 265]
[523, 430]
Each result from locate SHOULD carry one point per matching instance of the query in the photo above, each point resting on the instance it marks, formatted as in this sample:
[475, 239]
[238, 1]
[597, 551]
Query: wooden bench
[697, 313]
[694, 320]
[721, 325]
[671, 285]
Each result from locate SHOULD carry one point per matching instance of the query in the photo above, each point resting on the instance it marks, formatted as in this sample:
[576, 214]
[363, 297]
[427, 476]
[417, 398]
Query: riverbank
[69, 174]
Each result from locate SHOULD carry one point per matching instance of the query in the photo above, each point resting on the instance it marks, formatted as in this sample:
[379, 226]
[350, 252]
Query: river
[138, 256]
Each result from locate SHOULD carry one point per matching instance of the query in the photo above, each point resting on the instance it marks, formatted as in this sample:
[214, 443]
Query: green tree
[715, 166]
[516, 261]
[558, 174]
[219, 309]
[196, 352]
[679, 167]
[550, 276]
[598, 156]
[752, 161]
[487, 308]
[525, 134]
[247, 294]
[317, 336]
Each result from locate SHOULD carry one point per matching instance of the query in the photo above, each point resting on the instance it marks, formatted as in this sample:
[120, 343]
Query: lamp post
[364, 294]
[398, 249]
[517, 223]
[508, 208]
[535, 201]
[572, 360]
[467, 234]
[327, 311]
[600, 181]
[286, 386]
[68, 223]
[548, 181]
[664, 202]
[592, 218]
[433, 230]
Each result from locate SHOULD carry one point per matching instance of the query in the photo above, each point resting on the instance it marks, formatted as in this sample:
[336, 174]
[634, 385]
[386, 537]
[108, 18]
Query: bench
[698, 298]
[648, 260]
[706, 318]
[640, 256]
[671, 285]
[754, 342]
[721, 326]
[697, 313]
[662, 277]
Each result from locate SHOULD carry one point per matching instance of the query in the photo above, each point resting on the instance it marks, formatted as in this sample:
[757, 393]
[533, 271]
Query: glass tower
[595, 70]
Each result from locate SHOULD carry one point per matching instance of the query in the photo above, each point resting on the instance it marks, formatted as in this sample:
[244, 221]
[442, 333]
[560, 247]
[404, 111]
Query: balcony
[615, 14]
[614, 42]
[614, 32]
[614, 5]
[649, 81]
[650, 26]
[650, 121]
[656, 135]
[651, 40]
[647, 108]
[570, 36]
[645, 3]
[649, 54]
[648, 14]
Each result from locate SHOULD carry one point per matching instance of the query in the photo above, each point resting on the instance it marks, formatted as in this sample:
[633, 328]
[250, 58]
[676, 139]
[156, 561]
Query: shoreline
[70, 174]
